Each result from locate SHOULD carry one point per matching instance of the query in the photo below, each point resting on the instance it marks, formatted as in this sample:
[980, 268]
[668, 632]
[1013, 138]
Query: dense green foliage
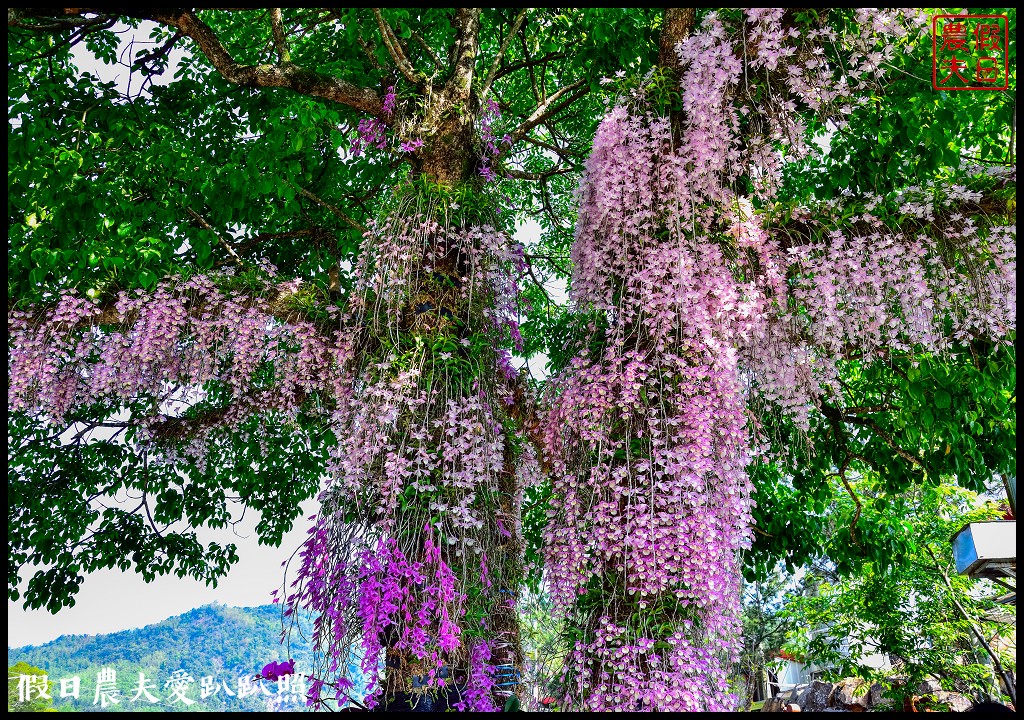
[909, 421]
[903, 608]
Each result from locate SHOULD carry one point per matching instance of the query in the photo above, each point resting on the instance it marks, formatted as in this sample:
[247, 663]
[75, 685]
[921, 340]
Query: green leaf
[146, 278]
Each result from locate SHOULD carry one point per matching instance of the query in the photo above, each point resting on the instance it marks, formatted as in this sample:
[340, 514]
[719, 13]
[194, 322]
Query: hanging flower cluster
[647, 434]
[416, 552]
[651, 501]
[185, 341]
[481, 687]
[405, 562]
[878, 289]
[700, 306]
[816, 69]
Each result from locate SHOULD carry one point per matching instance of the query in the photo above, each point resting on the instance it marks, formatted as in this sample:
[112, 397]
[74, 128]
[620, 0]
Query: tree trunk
[449, 159]
[677, 24]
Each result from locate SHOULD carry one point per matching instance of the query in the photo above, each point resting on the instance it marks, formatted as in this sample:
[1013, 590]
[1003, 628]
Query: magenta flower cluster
[479, 693]
[273, 671]
[420, 598]
[370, 133]
[648, 438]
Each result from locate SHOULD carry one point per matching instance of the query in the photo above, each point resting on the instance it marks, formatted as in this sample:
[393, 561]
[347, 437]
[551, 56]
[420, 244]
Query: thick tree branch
[486, 87]
[290, 76]
[524, 410]
[549, 108]
[287, 75]
[460, 86]
[677, 24]
[280, 41]
[791, 232]
[395, 50]
[16, 18]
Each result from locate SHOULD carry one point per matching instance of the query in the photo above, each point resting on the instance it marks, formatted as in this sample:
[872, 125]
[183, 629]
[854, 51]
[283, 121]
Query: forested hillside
[214, 640]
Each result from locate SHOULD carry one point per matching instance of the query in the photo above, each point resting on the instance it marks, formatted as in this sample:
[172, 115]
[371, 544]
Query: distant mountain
[228, 644]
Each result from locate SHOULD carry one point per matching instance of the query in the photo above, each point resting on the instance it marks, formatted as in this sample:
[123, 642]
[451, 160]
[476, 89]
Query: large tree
[292, 260]
[297, 261]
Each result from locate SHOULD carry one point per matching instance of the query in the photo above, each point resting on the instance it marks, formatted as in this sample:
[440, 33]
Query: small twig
[538, 283]
[546, 202]
[368, 51]
[549, 258]
[560, 152]
[315, 233]
[525, 175]
[337, 211]
[866, 409]
[996, 663]
[430, 53]
[548, 108]
[395, 50]
[91, 26]
[836, 418]
[224, 243]
[78, 133]
[533, 77]
[867, 422]
[143, 63]
[853, 495]
[523, 64]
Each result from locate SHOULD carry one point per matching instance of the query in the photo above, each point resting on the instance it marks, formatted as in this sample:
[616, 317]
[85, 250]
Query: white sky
[112, 600]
